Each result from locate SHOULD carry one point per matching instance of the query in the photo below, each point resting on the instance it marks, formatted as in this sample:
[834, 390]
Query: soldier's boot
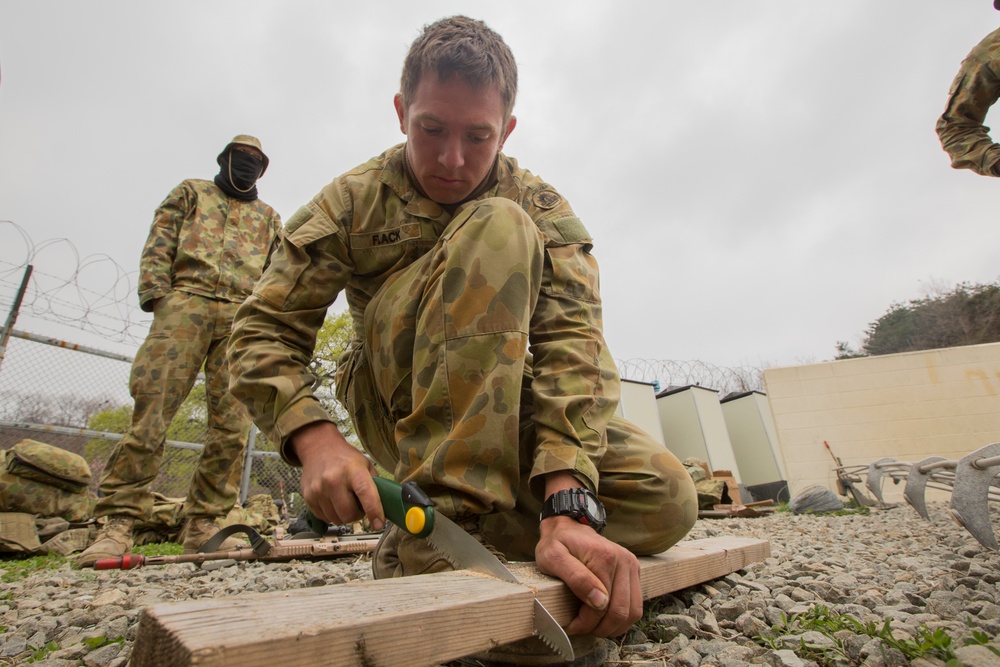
[399, 554]
[200, 529]
[590, 651]
[113, 540]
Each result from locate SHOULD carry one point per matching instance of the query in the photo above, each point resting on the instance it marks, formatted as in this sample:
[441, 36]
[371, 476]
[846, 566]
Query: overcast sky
[762, 179]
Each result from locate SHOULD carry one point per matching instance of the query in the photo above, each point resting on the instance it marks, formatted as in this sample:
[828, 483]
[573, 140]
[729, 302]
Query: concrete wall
[638, 405]
[905, 406]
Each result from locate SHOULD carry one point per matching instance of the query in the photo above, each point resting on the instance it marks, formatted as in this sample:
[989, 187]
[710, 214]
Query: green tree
[332, 341]
[968, 314]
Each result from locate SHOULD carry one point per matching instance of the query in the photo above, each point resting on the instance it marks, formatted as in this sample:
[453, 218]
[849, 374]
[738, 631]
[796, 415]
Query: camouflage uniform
[204, 253]
[478, 363]
[975, 89]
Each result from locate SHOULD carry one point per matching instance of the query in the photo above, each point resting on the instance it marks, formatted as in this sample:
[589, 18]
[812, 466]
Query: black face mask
[239, 174]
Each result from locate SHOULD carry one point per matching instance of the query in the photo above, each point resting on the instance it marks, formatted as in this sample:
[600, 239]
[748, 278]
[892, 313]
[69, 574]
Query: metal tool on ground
[973, 489]
[260, 550]
[972, 481]
[846, 479]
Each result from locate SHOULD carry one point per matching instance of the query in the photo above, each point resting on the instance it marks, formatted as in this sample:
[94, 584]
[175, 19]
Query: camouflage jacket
[205, 243]
[975, 89]
[372, 222]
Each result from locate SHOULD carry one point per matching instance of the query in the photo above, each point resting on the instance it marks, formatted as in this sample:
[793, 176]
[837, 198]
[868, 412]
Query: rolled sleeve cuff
[307, 410]
[562, 458]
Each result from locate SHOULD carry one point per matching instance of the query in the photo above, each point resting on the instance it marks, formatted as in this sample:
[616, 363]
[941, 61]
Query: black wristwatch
[580, 504]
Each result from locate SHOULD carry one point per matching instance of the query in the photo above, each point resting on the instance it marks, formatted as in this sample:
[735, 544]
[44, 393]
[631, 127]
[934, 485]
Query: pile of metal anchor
[970, 479]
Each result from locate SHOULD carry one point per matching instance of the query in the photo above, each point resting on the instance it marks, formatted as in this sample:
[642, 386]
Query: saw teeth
[547, 643]
[551, 646]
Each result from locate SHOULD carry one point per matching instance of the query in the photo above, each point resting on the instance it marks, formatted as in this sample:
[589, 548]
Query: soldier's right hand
[336, 478]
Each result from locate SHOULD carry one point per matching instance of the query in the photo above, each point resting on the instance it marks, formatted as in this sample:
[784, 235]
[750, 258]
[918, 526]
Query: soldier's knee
[673, 513]
[500, 222]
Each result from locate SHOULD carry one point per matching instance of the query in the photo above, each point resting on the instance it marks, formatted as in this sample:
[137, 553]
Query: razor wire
[93, 294]
[664, 374]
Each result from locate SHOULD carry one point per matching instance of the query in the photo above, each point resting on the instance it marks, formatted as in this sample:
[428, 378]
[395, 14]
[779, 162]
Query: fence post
[248, 463]
[14, 310]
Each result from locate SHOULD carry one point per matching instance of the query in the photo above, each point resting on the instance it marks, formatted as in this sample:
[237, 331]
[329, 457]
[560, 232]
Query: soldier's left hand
[604, 575]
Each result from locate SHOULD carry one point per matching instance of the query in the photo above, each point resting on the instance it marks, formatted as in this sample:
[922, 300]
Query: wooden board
[423, 620]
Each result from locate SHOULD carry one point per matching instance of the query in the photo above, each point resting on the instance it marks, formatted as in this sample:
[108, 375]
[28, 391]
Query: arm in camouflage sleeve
[279, 235]
[274, 331]
[575, 386]
[156, 265]
[975, 89]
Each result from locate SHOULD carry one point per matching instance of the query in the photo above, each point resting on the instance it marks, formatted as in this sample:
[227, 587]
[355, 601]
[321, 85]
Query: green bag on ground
[41, 462]
[18, 534]
[18, 494]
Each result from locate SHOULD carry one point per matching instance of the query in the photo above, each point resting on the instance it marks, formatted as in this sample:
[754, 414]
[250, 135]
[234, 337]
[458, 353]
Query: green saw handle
[406, 505]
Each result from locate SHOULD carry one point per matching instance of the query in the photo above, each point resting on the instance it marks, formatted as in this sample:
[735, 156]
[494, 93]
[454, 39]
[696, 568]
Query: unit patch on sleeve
[546, 199]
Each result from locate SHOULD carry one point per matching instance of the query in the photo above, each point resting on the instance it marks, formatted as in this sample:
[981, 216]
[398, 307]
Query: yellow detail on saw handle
[407, 506]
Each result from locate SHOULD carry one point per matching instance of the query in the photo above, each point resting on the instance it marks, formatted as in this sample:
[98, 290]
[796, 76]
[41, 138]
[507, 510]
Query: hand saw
[412, 510]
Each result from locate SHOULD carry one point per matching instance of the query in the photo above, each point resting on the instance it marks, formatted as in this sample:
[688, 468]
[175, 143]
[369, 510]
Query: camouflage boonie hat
[246, 140]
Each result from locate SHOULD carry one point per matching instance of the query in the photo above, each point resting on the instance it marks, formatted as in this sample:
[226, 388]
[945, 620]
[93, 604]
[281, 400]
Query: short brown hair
[464, 47]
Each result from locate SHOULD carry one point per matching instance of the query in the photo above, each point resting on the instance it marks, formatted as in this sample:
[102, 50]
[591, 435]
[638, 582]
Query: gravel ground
[887, 566]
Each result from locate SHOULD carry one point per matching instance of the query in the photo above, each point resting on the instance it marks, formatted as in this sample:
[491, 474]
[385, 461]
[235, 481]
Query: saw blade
[551, 633]
[467, 553]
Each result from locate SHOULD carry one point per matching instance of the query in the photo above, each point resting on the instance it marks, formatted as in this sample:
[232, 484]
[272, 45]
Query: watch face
[594, 508]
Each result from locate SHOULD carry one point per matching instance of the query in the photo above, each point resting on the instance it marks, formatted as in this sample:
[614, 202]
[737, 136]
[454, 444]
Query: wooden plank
[423, 620]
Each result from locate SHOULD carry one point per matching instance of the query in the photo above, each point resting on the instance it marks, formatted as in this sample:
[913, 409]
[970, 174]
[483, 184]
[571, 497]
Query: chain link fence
[76, 397]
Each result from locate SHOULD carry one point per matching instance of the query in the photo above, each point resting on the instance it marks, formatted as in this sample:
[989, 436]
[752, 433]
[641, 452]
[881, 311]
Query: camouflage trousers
[440, 393]
[188, 331]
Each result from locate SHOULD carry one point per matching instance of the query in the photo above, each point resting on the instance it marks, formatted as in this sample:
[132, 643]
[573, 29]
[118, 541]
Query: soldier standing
[208, 244]
[974, 90]
[478, 366]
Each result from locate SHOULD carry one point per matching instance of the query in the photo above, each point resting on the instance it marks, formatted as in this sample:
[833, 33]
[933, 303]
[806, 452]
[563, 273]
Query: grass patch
[42, 653]
[928, 643]
[653, 630]
[850, 509]
[160, 549]
[17, 567]
[862, 510]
